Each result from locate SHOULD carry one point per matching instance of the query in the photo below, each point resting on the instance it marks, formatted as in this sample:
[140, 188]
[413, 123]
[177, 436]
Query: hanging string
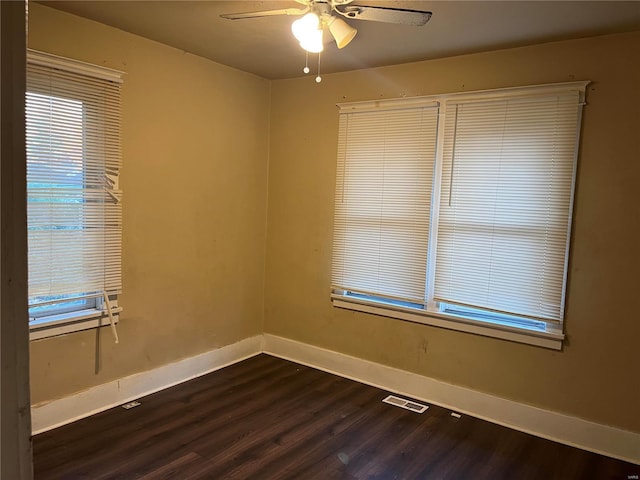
[111, 319]
[318, 78]
[306, 62]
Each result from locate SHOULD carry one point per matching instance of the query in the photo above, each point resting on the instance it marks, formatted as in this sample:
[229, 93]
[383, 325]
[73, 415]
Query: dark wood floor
[266, 418]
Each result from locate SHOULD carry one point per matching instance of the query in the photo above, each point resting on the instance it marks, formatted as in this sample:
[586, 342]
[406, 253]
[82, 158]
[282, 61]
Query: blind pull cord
[111, 186]
[111, 320]
[115, 197]
[453, 153]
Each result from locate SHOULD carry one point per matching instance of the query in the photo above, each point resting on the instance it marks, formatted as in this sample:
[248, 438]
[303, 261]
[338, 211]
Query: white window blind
[73, 163]
[505, 205]
[383, 201]
[455, 210]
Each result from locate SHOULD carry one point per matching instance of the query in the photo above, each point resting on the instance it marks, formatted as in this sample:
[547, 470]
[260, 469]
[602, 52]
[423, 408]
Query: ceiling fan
[318, 14]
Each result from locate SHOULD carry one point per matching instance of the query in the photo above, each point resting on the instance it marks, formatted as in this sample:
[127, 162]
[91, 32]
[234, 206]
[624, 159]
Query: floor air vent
[130, 405]
[406, 404]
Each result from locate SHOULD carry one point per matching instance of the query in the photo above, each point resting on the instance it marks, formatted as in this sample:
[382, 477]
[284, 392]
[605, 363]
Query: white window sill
[550, 340]
[61, 324]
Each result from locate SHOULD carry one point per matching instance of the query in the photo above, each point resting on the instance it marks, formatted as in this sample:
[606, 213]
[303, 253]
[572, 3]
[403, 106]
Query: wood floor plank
[269, 419]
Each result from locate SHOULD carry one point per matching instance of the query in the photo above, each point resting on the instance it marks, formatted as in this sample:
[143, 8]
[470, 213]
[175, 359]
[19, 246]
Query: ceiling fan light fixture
[342, 32]
[318, 14]
[308, 31]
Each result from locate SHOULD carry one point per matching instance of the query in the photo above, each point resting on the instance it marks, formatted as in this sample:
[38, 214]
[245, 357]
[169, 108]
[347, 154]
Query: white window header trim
[35, 57]
[434, 100]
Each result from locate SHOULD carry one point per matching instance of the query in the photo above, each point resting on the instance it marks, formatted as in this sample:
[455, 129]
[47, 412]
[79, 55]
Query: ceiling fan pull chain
[318, 78]
[306, 62]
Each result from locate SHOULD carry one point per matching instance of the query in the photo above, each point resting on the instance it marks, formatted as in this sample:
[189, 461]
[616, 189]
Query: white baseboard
[573, 431]
[49, 415]
[566, 429]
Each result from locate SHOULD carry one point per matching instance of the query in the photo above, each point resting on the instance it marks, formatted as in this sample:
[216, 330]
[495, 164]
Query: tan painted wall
[596, 375]
[195, 145]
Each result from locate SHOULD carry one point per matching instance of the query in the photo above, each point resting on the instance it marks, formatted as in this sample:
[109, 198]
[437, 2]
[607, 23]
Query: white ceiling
[266, 47]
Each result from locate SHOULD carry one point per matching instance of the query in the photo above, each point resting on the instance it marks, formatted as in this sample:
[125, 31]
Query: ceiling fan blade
[385, 14]
[265, 13]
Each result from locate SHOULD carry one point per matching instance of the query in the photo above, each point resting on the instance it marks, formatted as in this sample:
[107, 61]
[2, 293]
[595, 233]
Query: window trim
[451, 322]
[44, 59]
[86, 318]
[553, 336]
[498, 93]
[54, 325]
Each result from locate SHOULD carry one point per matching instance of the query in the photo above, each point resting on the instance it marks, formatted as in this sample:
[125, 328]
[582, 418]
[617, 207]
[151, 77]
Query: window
[456, 210]
[73, 200]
